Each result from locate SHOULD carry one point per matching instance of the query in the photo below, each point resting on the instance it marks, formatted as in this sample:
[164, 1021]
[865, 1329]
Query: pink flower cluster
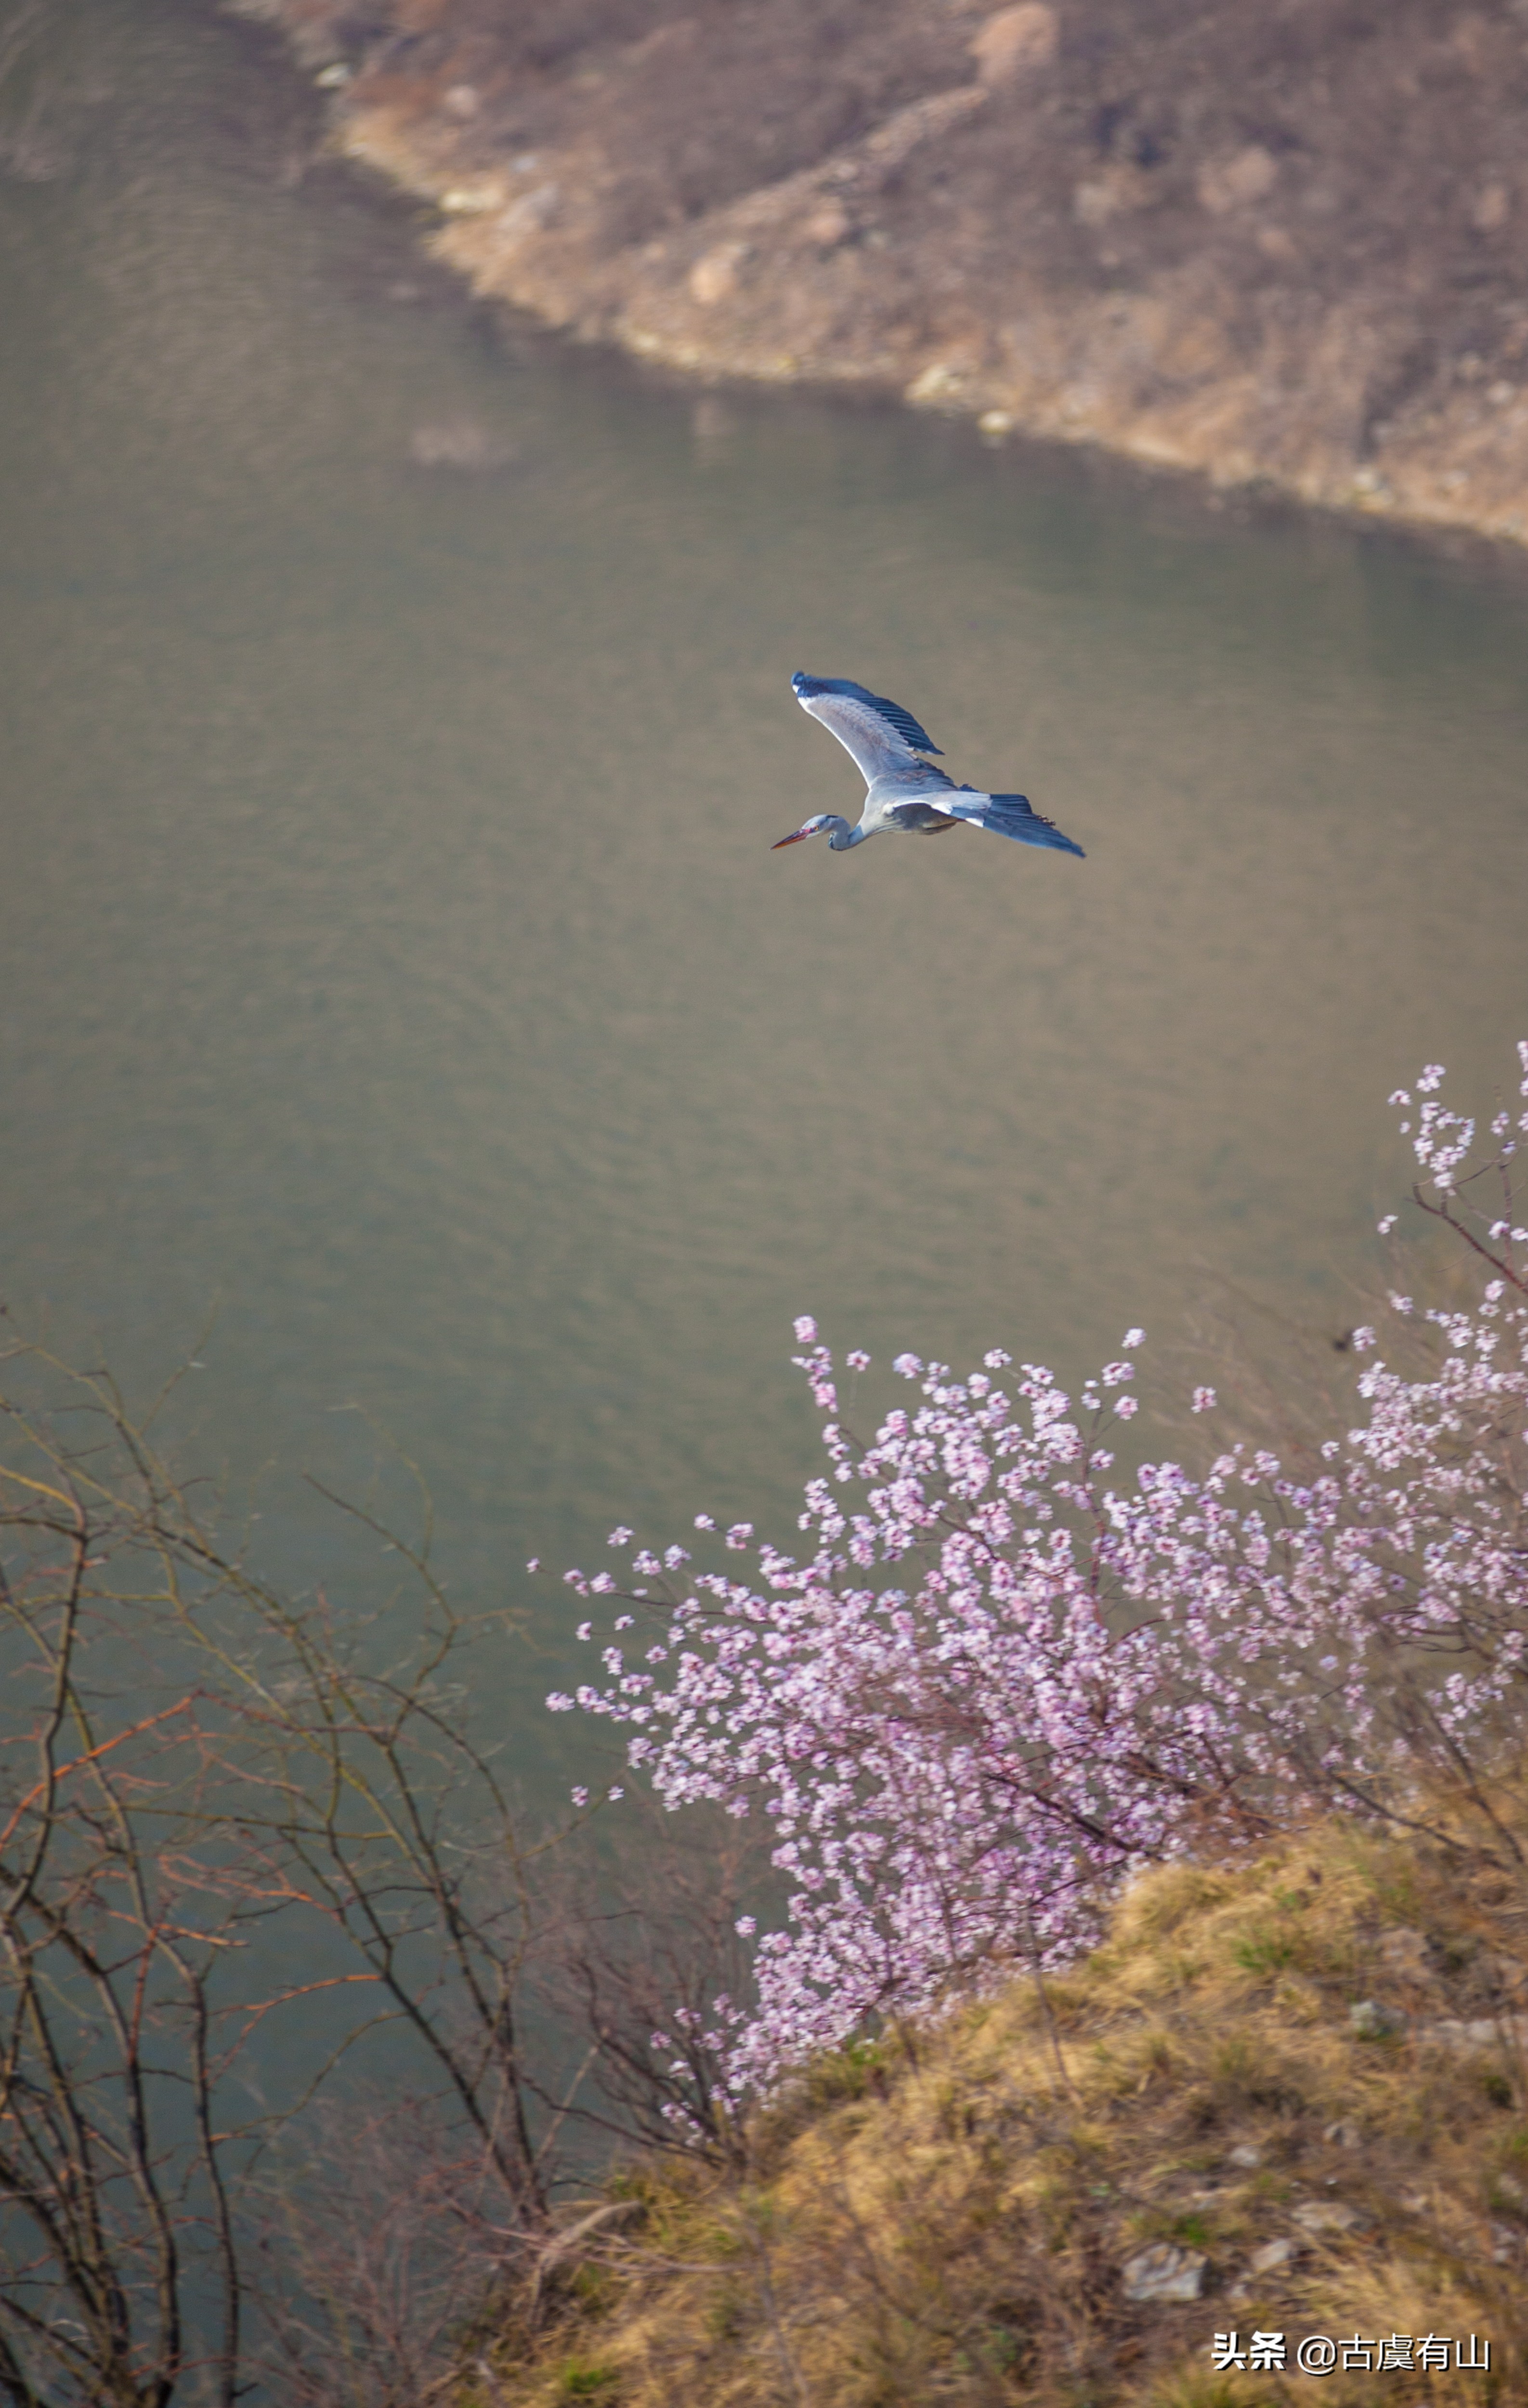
[992, 1682]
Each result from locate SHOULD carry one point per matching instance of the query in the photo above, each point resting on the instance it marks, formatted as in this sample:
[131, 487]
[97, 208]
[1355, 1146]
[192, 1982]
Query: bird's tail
[1014, 815]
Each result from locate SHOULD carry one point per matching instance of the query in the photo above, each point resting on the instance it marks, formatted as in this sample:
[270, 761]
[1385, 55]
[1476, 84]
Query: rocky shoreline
[1284, 247]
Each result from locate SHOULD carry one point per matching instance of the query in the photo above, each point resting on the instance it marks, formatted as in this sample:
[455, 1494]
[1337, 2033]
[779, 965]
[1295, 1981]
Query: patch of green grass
[1161, 2223]
[1515, 2147]
[847, 2074]
[1265, 1951]
[592, 2288]
[584, 2378]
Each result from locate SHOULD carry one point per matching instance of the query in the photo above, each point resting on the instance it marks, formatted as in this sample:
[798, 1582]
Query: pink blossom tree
[992, 1682]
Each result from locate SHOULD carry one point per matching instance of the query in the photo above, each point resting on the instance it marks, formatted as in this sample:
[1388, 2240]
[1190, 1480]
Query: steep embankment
[1288, 2098]
[1284, 243]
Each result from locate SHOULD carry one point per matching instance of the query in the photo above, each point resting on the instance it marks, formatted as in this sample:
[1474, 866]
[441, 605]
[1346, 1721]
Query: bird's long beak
[799, 838]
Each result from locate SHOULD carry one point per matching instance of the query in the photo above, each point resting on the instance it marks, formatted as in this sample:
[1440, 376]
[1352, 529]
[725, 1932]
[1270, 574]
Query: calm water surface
[394, 956]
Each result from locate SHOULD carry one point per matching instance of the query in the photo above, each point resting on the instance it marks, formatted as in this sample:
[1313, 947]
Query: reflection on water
[398, 723]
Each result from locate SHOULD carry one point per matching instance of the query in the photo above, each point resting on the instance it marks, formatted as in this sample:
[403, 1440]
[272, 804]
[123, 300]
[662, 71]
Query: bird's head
[811, 828]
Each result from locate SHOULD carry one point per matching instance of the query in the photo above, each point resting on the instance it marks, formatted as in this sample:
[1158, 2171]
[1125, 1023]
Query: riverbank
[1283, 2101]
[1283, 248]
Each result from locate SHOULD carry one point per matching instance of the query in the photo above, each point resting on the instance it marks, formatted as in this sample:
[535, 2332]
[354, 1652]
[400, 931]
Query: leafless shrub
[650, 1964]
[222, 1814]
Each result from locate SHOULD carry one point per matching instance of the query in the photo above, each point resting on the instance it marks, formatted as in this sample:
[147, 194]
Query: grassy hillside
[1295, 2084]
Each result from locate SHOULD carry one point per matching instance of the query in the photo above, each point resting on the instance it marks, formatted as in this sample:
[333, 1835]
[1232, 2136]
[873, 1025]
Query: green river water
[396, 725]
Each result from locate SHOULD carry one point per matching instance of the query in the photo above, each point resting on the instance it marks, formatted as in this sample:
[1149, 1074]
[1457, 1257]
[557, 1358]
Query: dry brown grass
[945, 2218]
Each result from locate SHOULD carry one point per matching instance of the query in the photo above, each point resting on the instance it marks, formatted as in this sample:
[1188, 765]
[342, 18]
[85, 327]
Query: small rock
[335, 77]
[1405, 1953]
[1163, 2272]
[1319, 2216]
[533, 212]
[1273, 2257]
[1342, 2136]
[714, 275]
[1369, 2020]
[1247, 176]
[1244, 2155]
[1500, 394]
[939, 379]
[994, 423]
[1016, 42]
[1506, 2244]
[828, 225]
[476, 201]
[1487, 2031]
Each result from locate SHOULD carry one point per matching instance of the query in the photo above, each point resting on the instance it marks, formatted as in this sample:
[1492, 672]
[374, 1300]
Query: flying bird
[907, 792]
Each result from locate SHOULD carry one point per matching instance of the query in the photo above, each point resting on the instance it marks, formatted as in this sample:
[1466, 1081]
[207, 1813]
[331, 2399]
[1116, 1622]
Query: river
[405, 1013]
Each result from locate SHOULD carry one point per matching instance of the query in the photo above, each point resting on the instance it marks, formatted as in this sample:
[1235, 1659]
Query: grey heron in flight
[906, 792]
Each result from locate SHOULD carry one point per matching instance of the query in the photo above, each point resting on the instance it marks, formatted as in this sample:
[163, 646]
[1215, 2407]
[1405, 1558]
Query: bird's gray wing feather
[875, 744]
[1011, 815]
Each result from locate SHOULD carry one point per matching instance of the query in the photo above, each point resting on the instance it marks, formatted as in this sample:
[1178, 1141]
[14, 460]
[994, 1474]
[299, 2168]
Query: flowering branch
[992, 1685]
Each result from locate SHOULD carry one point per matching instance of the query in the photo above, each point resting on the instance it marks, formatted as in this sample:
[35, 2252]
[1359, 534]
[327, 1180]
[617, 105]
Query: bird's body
[906, 794]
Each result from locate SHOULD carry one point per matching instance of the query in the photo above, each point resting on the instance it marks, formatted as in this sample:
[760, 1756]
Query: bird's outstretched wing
[880, 735]
[1007, 815]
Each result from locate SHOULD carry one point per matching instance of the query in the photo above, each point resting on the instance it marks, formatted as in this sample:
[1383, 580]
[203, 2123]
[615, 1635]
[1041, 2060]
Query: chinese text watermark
[1265, 2353]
